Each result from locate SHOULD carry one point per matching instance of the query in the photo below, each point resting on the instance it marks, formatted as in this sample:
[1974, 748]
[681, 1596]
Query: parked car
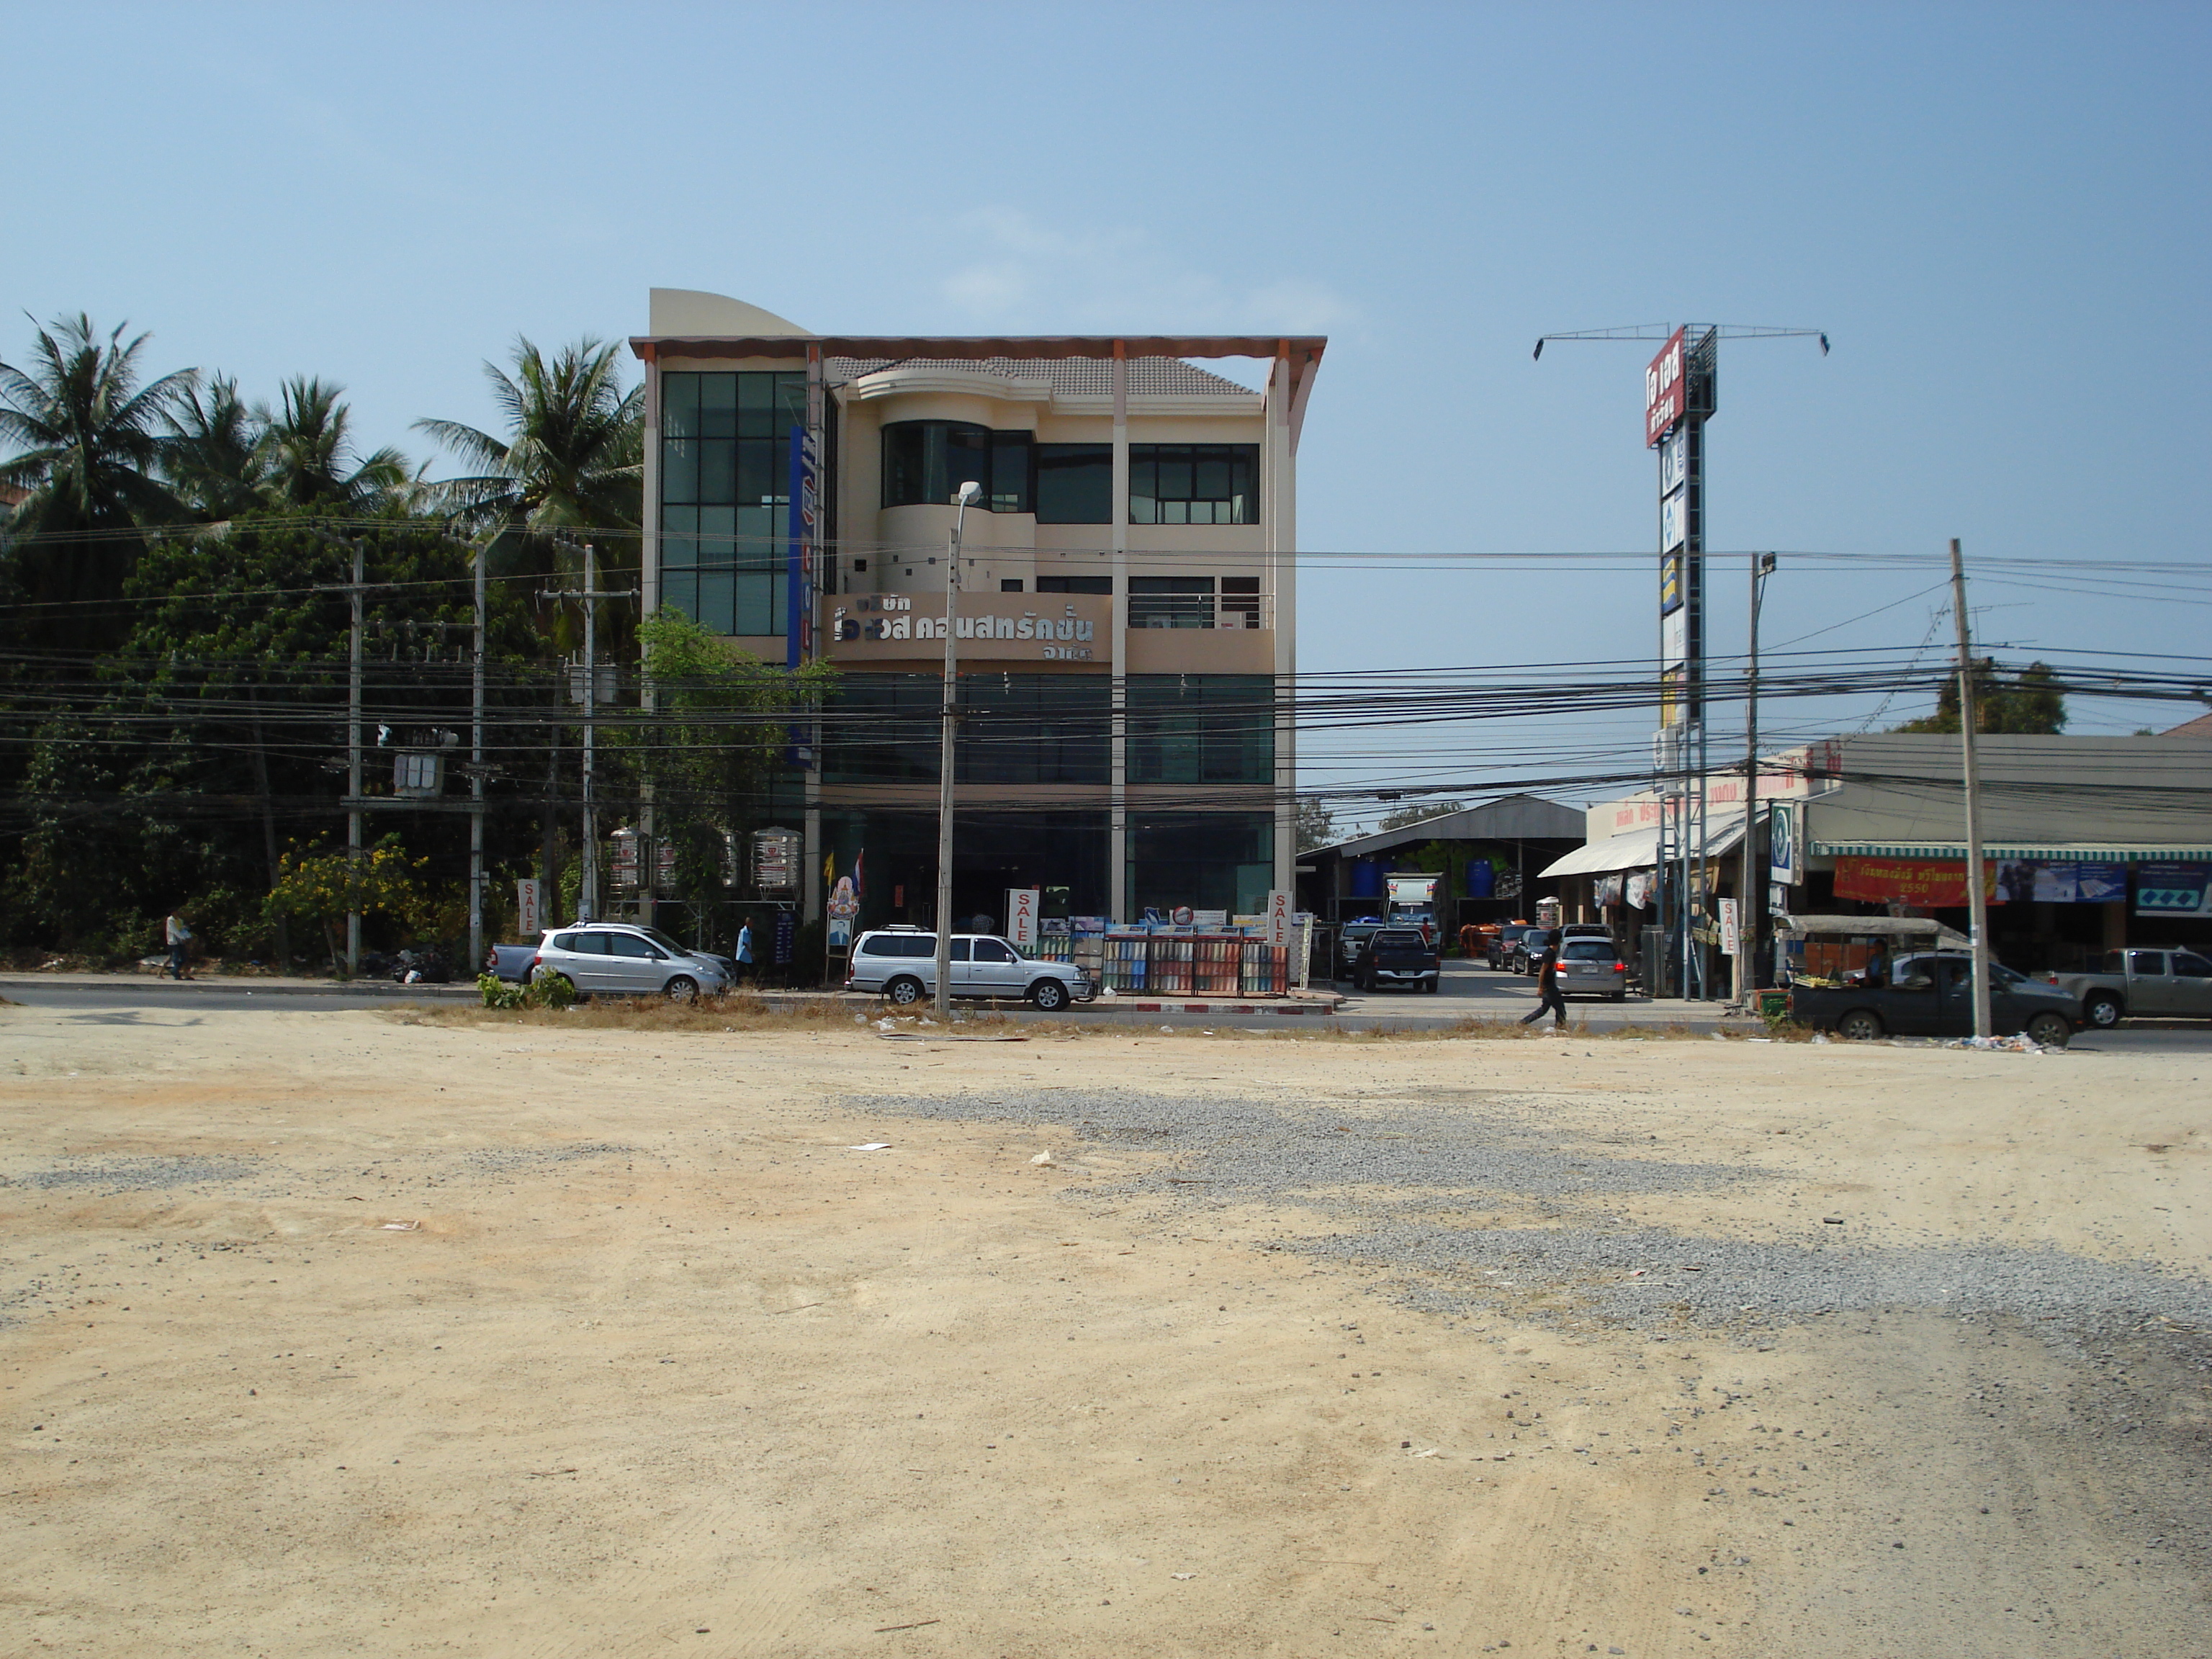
[1586, 930]
[511, 963]
[621, 959]
[1398, 957]
[900, 964]
[1932, 996]
[2171, 984]
[1350, 939]
[1529, 949]
[1497, 949]
[1592, 968]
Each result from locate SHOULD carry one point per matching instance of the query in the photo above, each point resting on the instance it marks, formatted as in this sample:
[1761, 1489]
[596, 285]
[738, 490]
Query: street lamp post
[967, 493]
[1747, 894]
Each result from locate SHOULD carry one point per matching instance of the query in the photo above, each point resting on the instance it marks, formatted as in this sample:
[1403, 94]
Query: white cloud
[1022, 275]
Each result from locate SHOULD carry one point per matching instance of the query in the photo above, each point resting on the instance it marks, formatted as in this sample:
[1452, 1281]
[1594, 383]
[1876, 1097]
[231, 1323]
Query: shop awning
[1905, 928]
[1639, 850]
[2047, 853]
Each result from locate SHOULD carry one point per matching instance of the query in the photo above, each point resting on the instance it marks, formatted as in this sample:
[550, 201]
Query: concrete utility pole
[967, 493]
[1750, 891]
[477, 777]
[587, 894]
[1977, 901]
[353, 593]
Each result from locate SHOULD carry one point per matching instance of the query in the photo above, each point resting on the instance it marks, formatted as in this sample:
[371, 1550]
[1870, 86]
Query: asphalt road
[1467, 991]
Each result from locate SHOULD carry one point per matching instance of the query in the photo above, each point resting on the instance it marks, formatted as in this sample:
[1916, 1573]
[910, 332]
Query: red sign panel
[1662, 391]
[1922, 883]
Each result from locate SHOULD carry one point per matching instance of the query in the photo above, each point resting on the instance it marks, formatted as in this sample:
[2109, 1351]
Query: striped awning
[1955, 851]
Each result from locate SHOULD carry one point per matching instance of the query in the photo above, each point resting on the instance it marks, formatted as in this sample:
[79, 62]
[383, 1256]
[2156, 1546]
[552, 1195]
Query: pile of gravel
[137, 1175]
[1402, 1169]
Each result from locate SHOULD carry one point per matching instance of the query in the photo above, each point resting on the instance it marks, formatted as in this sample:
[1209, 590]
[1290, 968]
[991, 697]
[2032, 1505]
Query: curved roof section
[1069, 377]
[695, 310]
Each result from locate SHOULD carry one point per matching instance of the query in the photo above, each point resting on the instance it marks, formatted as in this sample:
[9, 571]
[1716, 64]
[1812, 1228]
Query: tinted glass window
[2191, 967]
[1075, 484]
[628, 944]
[1397, 938]
[1201, 728]
[1588, 950]
[590, 944]
[1193, 484]
[2116, 962]
[989, 950]
[959, 950]
[924, 461]
[565, 942]
[1075, 584]
[1171, 601]
[2150, 963]
[724, 485]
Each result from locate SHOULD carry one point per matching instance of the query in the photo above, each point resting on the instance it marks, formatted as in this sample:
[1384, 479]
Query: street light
[961, 497]
[1747, 918]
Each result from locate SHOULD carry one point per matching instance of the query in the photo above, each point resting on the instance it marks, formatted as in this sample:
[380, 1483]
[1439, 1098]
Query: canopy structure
[2048, 852]
[1639, 850]
[1896, 927]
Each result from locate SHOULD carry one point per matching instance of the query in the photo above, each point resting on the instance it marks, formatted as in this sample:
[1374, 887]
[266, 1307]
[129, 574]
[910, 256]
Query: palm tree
[307, 455]
[574, 456]
[91, 446]
[215, 457]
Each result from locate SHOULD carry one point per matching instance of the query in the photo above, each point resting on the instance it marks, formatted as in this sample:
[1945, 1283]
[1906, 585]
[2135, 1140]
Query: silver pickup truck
[2144, 984]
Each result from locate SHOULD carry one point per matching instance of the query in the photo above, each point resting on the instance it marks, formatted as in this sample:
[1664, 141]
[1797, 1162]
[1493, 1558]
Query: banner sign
[1728, 926]
[2174, 889]
[1662, 391]
[1279, 916]
[1022, 906]
[805, 510]
[1922, 884]
[527, 921]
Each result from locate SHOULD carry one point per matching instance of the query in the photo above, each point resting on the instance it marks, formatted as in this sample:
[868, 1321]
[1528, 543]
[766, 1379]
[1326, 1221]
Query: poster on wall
[2174, 889]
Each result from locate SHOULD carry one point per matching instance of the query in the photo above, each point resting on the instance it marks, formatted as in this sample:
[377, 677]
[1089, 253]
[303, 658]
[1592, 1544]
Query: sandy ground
[331, 1333]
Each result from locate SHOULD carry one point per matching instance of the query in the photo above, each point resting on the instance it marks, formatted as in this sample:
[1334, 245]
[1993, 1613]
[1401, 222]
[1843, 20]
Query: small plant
[555, 991]
[497, 992]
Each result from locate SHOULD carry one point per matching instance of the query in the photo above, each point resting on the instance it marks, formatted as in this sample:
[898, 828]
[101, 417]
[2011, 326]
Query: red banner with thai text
[1924, 883]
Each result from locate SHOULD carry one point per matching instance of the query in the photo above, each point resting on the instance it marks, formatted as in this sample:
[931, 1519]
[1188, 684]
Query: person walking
[745, 951]
[179, 938]
[1548, 995]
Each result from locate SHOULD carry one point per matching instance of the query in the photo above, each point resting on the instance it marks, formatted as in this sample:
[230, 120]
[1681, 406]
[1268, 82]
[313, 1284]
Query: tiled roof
[1071, 377]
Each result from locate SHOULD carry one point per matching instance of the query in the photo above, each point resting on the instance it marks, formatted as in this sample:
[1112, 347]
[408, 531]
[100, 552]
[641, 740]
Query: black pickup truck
[1933, 995]
[1396, 956]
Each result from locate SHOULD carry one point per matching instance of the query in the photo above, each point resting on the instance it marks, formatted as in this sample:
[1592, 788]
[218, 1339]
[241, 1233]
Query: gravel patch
[1371, 1162]
[137, 1175]
[514, 1160]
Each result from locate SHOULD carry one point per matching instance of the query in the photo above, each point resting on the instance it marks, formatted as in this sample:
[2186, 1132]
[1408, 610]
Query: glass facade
[1208, 860]
[1193, 484]
[1201, 728]
[725, 478]
[1075, 483]
[924, 461]
[1014, 729]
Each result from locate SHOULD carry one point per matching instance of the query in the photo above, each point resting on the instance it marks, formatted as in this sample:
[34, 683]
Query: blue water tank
[1367, 879]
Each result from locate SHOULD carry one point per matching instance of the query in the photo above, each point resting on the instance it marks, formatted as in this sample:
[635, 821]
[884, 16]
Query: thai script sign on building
[1048, 628]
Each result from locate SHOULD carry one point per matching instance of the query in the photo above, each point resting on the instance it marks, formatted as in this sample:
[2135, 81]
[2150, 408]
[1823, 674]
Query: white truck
[2142, 984]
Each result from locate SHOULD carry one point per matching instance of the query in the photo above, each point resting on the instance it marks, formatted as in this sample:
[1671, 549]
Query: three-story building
[1126, 613]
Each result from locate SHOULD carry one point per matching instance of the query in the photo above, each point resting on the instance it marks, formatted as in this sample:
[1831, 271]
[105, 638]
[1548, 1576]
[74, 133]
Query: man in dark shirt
[1548, 992]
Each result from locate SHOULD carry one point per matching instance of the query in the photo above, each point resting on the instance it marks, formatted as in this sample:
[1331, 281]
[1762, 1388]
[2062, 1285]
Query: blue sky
[1999, 214]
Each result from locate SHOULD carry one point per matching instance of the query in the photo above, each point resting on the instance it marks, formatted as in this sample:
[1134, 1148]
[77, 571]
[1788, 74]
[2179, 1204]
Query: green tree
[92, 441]
[2026, 701]
[1405, 816]
[1316, 825]
[570, 461]
[724, 719]
[214, 460]
[307, 455]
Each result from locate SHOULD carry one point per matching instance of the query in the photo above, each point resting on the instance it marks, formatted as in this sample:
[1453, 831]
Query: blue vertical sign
[799, 610]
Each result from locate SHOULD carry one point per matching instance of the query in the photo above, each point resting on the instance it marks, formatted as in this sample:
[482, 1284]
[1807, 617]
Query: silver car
[900, 964]
[1592, 968]
[621, 959]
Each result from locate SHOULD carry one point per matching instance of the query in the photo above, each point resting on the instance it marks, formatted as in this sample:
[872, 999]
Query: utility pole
[1978, 901]
[968, 492]
[354, 592]
[477, 777]
[1750, 891]
[587, 896]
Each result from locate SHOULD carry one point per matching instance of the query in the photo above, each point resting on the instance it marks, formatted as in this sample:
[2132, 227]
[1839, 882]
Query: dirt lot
[332, 1334]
